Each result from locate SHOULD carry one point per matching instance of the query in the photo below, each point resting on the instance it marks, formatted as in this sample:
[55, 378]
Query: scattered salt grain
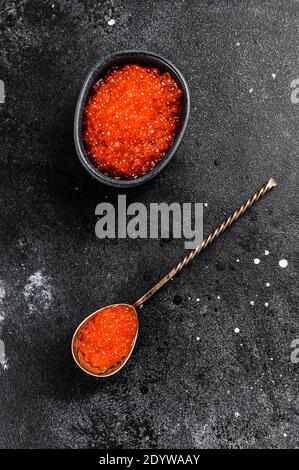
[283, 263]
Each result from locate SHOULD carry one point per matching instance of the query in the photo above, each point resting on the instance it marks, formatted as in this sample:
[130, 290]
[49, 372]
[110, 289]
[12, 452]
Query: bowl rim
[88, 83]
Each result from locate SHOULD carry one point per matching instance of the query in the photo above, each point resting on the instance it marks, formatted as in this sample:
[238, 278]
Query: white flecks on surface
[206, 204]
[2, 92]
[266, 252]
[256, 261]
[38, 292]
[252, 302]
[268, 284]
[2, 291]
[237, 44]
[273, 75]
[238, 261]
[218, 297]
[266, 304]
[237, 414]
[3, 358]
[283, 263]
[111, 22]
[197, 338]
[197, 300]
[237, 330]
[251, 90]
[284, 434]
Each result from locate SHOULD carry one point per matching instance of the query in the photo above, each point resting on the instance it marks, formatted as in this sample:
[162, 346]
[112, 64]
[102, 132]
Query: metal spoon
[78, 356]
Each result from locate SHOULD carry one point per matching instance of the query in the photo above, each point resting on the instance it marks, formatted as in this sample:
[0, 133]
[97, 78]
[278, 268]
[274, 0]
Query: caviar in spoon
[104, 341]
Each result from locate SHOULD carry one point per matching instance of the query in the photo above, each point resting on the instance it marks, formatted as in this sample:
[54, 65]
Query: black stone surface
[226, 389]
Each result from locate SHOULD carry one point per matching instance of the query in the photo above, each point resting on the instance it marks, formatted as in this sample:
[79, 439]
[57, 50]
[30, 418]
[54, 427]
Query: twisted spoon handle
[215, 234]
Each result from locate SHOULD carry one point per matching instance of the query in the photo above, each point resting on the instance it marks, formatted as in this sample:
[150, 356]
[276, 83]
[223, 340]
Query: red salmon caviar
[131, 120]
[108, 337]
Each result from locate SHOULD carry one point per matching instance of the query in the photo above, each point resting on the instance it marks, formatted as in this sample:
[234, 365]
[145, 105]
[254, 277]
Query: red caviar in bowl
[131, 120]
[108, 337]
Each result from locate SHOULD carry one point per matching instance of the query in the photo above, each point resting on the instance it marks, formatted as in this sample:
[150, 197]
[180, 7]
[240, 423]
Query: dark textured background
[225, 389]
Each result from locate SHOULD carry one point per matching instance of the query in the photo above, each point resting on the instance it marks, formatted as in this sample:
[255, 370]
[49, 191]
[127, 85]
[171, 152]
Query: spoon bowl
[79, 357]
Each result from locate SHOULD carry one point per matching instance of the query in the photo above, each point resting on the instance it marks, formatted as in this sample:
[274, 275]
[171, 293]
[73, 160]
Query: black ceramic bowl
[100, 70]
